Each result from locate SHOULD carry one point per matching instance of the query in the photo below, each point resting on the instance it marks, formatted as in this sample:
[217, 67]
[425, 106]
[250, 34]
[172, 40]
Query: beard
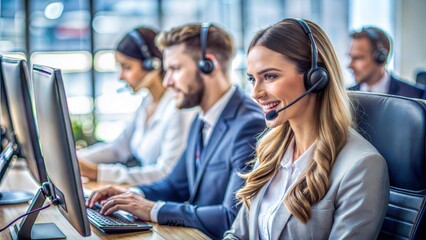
[195, 94]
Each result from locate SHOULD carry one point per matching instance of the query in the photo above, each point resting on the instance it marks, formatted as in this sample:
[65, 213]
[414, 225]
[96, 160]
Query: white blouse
[156, 144]
[278, 187]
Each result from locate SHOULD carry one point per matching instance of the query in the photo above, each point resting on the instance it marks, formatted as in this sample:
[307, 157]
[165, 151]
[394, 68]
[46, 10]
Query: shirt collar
[301, 162]
[212, 115]
[165, 100]
[381, 86]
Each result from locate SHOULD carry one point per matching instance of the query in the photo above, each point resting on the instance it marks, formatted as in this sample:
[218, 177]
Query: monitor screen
[58, 147]
[5, 125]
[20, 135]
[18, 94]
[5, 122]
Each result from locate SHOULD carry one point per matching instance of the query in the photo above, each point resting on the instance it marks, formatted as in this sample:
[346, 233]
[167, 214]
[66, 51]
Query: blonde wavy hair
[333, 119]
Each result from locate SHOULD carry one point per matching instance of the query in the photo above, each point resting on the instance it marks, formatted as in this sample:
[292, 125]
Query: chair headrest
[396, 126]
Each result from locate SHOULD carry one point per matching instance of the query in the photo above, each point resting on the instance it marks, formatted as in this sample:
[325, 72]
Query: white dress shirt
[212, 115]
[381, 86]
[156, 143]
[279, 186]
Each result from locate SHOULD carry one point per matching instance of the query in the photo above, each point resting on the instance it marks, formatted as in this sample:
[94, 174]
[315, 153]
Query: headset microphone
[125, 88]
[148, 77]
[274, 113]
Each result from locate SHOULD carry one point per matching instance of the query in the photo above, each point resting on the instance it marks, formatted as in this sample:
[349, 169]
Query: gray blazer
[353, 208]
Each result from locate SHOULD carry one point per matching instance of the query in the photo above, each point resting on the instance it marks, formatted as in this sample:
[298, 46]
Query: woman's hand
[88, 169]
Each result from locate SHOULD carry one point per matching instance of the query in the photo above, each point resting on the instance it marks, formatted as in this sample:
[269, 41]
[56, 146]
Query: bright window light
[108, 131]
[80, 105]
[54, 10]
[118, 103]
[76, 61]
[16, 55]
[239, 61]
[105, 61]
[107, 23]
[6, 45]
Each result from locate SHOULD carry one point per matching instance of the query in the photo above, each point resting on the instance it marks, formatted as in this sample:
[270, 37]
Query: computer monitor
[5, 122]
[20, 124]
[58, 148]
[6, 143]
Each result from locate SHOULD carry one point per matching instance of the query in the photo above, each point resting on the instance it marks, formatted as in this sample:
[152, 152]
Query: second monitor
[19, 122]
[56, 140]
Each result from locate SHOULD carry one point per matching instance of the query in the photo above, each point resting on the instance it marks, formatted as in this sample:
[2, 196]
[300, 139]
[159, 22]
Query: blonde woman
[315, 177]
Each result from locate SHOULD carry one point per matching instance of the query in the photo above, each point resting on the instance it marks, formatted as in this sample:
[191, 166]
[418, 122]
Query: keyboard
[115, 223]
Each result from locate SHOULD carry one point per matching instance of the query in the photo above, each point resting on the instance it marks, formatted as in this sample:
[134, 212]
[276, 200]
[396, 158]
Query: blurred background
[79, 36]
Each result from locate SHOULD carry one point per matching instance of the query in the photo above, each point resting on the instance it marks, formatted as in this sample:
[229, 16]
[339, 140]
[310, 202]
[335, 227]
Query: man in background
[369, 53]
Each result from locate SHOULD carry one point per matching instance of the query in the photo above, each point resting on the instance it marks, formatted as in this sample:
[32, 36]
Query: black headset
[380, 53]
[315, 79]
[149, 62]
[315, 74]
[206, 65]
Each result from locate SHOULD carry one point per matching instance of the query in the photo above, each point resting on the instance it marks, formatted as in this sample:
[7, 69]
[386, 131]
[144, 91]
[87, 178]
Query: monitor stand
[15, 197]
[28, 230]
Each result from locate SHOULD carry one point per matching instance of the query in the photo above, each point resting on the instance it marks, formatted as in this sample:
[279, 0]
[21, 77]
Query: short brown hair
[377, 37]
[219, 43]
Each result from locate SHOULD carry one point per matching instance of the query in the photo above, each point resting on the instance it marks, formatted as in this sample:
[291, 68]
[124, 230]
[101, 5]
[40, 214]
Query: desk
[18, 178]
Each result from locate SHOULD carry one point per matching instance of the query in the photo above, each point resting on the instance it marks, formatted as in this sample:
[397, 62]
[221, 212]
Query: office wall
[410, 34]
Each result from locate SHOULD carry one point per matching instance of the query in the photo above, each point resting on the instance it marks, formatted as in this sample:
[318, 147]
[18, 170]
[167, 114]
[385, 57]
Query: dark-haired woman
[150, 145]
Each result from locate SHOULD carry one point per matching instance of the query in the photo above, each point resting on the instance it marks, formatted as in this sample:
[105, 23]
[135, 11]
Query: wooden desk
[20, 179]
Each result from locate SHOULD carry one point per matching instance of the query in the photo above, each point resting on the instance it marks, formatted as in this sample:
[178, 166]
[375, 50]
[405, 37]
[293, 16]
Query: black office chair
[421, 77]
[396, 126]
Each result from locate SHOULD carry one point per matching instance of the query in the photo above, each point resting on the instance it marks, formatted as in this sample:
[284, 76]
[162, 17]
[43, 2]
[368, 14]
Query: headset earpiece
[315, 74]
[206, 65]
[149, 62]
[380, 54]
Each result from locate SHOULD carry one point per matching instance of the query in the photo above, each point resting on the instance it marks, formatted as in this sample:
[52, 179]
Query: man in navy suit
[369, 53]
[200, 191]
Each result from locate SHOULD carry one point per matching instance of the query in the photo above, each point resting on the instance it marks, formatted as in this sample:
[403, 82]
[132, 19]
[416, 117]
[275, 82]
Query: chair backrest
[396, 126]
[421, 77]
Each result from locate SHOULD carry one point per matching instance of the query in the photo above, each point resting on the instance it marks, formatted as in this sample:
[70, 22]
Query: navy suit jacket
[400, 88]
[206, 200]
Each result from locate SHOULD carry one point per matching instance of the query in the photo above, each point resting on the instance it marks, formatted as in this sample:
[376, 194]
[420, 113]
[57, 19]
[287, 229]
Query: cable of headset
[54, 202]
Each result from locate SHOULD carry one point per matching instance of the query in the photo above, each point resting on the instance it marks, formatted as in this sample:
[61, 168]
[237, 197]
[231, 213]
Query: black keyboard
[115, 223]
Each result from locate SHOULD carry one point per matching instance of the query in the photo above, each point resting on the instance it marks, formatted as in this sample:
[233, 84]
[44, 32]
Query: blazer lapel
[254, 211]
[281, 218]
[190, 153]
[215, 137]
[393, 86]
[228, 114]
[211, 146]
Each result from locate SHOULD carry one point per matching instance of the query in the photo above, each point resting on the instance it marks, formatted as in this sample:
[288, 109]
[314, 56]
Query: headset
[149, 62]
[315, 79]
[315, 74]
[380, 53]
[206, 65]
